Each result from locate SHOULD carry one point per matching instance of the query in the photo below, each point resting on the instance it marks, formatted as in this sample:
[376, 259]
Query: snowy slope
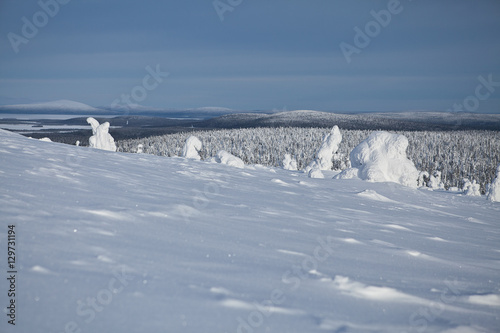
[112, 242]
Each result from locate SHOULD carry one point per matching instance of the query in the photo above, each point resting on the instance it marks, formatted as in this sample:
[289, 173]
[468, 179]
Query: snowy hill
[371, 121]
[60, 106]
[114, 242]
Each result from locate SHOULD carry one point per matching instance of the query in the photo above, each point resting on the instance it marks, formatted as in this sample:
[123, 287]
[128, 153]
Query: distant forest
[458, 155]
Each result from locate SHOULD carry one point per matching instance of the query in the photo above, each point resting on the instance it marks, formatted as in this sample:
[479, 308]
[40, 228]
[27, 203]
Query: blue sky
[263, 55]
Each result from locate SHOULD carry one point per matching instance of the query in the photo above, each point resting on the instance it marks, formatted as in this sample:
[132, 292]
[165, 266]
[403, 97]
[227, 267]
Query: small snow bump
[279, 182]
[438, 239]
[220, 291]
[105, 259]
[370, 194]
[40, 269]
[395, 226]
[291, 252]
[490, 300]
[414, 253]
[351, 241]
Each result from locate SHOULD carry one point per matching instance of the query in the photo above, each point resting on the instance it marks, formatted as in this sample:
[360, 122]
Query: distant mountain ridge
[71, 107]
[371, 121]
[218, 117]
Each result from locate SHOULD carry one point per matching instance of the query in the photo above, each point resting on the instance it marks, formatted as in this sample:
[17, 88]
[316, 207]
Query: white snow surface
[382, 158]
[191, 148]
[114, 242]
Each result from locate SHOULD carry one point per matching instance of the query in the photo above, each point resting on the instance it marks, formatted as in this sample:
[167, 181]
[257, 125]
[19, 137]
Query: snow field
[113, 242]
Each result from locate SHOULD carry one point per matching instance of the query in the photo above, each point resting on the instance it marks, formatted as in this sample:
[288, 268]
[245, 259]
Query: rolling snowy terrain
[116, 242]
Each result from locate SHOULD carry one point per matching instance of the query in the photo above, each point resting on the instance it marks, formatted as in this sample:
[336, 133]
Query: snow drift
[101, 139]
[382, 158]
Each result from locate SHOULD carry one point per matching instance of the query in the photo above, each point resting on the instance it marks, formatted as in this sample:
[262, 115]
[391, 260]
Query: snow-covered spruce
[471, 188]
[435, 181]
[289, 163]
[494, 190]
[324, 156]
[226, 158]
[101, 139]
[191, 148]
[382, 158]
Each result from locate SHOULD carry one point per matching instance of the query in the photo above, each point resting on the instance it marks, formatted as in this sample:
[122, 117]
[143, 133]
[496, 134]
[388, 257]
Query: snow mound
[191, 148]
[382, 158]
[100, 138]
[224, 157]
[494, 191]
[315, 173]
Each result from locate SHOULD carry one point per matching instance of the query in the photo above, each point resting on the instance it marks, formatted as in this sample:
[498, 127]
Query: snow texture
[116, 242]
[494, 190]
[226, 158]
[382, 158]
[101, 139]
[191, 148]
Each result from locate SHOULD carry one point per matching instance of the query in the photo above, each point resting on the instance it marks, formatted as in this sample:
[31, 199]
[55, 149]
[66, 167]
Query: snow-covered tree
[423, 179]
[435, 182]
[191, 148]
[226, 158]
[382, 158]
[328, 148]
[471, 188]
[494, 188]
[289, 163]
[101, 139]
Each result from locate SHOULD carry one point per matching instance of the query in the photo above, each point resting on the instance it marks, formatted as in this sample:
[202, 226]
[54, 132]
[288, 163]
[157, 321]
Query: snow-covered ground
[114, 242]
